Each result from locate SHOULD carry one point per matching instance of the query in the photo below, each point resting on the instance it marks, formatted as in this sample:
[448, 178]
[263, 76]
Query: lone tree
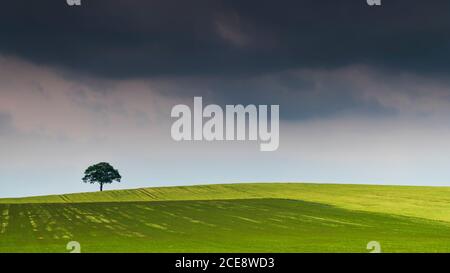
[102, 173]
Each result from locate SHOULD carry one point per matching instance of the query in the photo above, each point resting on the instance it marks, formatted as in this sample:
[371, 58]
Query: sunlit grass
[232, 218]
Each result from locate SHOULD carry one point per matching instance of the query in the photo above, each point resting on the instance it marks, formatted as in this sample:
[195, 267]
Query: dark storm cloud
[147, 38]
[301, 94]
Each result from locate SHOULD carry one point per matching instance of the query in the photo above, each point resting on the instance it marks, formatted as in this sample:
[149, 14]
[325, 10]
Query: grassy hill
[276, 217]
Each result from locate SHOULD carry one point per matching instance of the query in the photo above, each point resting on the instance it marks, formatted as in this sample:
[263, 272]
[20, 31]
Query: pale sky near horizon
[83, 86]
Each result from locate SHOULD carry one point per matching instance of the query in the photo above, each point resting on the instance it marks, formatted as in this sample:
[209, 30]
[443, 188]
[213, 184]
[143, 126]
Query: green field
[276, 217]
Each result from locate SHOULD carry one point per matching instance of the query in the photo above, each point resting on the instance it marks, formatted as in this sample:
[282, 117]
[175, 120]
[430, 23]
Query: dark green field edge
[242, 225]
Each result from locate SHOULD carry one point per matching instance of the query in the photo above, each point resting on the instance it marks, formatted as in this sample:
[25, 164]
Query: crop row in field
[254, 225]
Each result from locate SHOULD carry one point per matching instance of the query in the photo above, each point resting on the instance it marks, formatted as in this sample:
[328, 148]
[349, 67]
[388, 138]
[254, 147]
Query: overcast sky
[364, 92]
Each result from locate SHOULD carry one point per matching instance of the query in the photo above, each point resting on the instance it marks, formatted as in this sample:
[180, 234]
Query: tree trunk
[101, 186]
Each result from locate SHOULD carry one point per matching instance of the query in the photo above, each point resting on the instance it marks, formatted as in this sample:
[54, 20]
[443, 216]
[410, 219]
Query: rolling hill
[265, 217]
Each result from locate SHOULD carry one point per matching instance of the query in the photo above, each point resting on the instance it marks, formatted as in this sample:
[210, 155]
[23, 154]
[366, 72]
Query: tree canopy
[101, 173]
